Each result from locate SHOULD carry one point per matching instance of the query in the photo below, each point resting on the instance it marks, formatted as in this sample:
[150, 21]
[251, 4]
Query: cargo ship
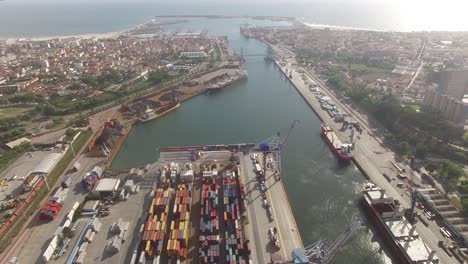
[227, 81]
[151, 114]
[342, 150]
[398, 234]
[209, 240]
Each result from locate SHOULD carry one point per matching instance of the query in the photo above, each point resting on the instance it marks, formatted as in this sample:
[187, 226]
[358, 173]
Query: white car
[430, 215]
[445, 232]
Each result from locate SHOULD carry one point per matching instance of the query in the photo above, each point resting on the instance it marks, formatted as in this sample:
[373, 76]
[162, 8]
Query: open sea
[28, 18]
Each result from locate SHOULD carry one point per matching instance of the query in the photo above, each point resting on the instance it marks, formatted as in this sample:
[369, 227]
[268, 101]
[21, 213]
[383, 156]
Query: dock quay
[211, 204]
[370, 156]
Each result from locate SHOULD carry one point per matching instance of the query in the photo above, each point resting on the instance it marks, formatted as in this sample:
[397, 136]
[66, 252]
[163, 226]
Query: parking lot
[39, 233]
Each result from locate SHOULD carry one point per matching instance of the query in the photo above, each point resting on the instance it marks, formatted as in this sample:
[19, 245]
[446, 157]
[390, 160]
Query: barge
[151, 114]
[398, 234]
[342, 150]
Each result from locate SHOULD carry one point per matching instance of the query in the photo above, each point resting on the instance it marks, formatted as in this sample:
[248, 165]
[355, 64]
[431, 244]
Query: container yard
[209, 240]
[237, 247]
[189, 207]
[199, 197]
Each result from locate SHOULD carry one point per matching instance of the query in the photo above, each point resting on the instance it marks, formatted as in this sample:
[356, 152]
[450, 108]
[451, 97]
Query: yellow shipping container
[148, 248]
[172, 225]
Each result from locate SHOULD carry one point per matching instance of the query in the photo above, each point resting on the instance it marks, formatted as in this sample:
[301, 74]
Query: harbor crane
[323, 251]
[274, 145]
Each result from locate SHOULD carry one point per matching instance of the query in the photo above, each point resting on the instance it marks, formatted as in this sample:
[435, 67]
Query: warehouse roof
[17, 142]
[107, 185]
[47, 164]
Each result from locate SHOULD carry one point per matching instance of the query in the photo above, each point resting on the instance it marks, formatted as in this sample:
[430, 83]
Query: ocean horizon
[23, 19]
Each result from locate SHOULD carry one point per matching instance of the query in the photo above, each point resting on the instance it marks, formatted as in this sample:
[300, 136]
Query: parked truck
[273, 234]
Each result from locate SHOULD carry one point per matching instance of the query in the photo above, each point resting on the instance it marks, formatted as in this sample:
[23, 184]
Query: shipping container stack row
[155, 229]
[237, 247]
[209, 220]
[177, 245]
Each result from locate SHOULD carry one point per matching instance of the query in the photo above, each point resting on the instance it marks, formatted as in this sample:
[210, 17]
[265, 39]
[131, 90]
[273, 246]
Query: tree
[464, 202]
[70, 133]
[404, 148]
[421, 152]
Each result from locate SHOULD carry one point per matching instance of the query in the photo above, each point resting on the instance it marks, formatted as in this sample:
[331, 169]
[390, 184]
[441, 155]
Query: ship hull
[213, 90]
[336, 151]
[160, 114]
[385, 233]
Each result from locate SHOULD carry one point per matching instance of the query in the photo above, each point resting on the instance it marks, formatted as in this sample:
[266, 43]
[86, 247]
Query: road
[370, 154]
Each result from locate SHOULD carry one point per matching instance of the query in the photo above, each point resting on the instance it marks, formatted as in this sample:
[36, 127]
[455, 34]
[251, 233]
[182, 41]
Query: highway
[370, 154]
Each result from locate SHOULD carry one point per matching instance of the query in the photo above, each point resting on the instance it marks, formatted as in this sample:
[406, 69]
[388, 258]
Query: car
[10, 196]
[445, 232]
[430, 215]
[262, 187]
[400, 185]
[401, 176]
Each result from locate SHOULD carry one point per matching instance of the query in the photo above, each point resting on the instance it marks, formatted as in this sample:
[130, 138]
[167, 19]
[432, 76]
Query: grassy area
[415, 107]
[13, 111]
[361, 69]
[35, 203]
[8, 156]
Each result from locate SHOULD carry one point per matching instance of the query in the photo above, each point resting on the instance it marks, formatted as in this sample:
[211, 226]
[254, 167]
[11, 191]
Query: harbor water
[323, 194]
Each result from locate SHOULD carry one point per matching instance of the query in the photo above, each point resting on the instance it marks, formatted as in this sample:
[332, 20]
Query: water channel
[323, 194]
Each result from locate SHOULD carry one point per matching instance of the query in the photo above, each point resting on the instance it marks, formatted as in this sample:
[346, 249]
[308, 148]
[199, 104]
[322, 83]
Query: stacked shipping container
[209, 220]
[237, 248]
[178, 239]
[156, 224]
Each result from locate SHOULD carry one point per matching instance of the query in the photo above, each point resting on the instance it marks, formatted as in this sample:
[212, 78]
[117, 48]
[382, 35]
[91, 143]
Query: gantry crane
[323, 251]
[274, 145]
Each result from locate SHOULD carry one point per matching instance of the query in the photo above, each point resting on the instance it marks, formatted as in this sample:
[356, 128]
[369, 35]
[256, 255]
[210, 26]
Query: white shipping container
[75, 206]
[14, 260]
[67, 223]
[53, 242]
[97, 227]
[48, 254]
[58, 231]
[157, 260]
[142, 259]
[91, 237]
[83, 247]
[70, 215]
[88, 235]
[81, 257]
